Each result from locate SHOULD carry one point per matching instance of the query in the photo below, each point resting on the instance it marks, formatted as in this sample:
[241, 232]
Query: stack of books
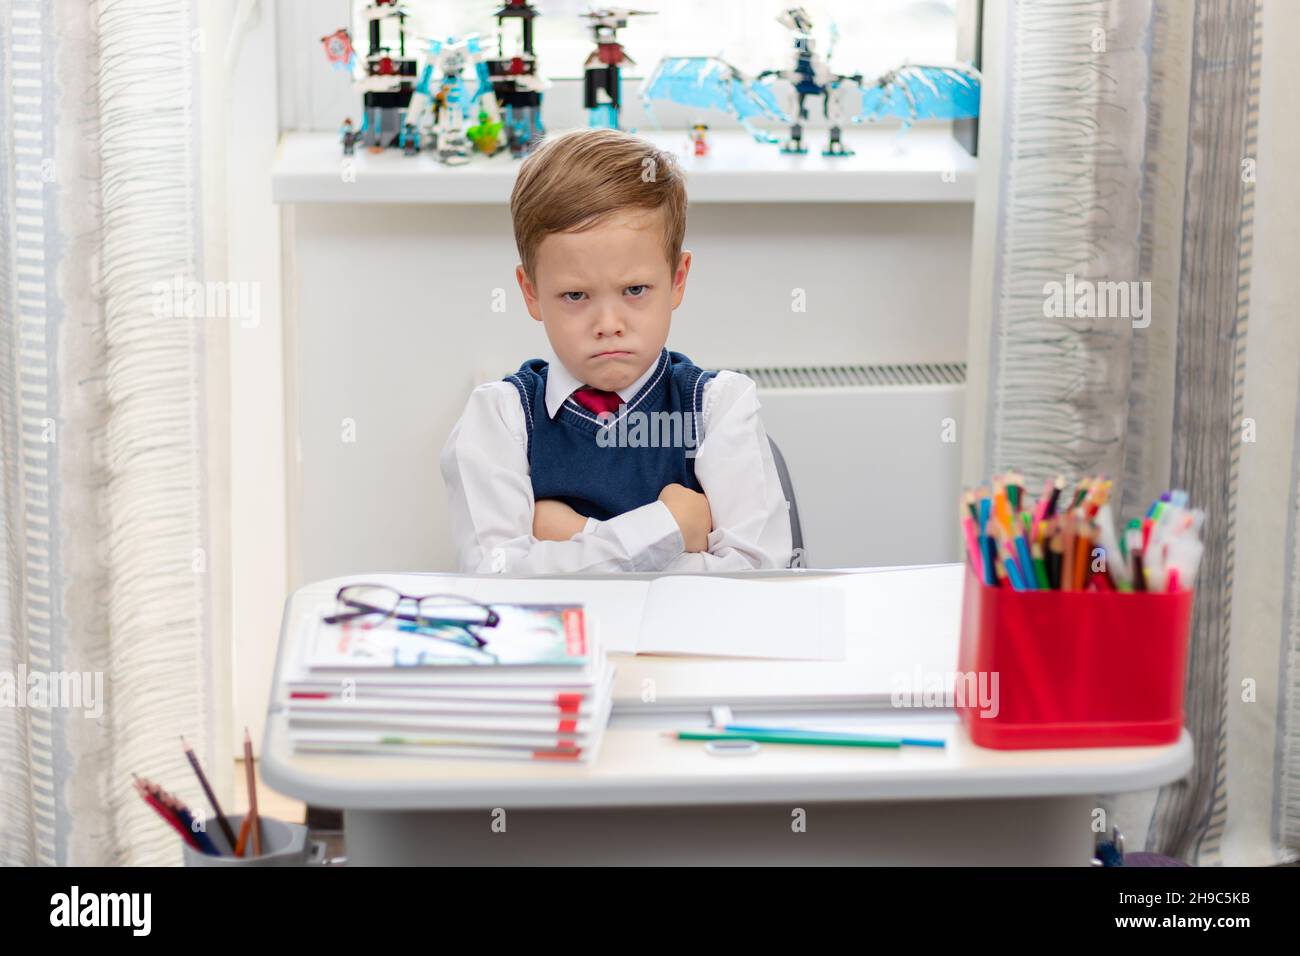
[538, 688]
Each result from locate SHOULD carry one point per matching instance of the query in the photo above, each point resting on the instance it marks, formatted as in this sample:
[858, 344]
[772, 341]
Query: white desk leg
[1048, 831]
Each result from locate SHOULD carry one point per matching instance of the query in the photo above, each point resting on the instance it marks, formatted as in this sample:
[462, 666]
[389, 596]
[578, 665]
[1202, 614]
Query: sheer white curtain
[1122, 141]
[106, 560]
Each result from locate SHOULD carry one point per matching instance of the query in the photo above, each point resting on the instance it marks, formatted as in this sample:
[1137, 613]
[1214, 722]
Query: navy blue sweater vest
[601, 470]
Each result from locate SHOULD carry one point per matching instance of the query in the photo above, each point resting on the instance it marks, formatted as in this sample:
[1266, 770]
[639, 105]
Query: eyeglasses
[372, 604]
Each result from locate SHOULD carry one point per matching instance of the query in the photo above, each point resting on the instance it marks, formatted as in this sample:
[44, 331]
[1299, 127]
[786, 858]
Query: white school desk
[650, 800]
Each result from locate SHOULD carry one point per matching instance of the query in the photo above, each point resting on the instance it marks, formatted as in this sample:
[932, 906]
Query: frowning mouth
[614, 353]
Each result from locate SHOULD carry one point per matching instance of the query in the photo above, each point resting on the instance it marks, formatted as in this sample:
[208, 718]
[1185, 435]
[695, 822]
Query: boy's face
[606, 296]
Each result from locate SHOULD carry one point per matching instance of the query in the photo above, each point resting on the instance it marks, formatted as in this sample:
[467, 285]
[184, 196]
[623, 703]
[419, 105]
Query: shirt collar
[561, 383]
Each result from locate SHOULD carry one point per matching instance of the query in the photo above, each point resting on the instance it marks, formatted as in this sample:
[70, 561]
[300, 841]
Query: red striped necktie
[597, 401]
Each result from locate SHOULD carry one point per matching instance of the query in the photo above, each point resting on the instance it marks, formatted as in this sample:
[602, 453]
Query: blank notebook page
[695, 614]
[728, 617]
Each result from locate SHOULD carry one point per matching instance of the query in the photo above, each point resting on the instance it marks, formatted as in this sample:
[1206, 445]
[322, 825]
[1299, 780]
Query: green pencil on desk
[768, 737]
[803, 732]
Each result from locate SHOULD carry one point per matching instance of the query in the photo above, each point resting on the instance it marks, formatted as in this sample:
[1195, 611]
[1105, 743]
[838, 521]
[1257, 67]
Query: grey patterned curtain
[104, 555]
[1122, 150]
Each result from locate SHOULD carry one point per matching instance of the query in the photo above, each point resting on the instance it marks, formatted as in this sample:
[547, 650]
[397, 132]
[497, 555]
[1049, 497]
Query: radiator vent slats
[857, 376]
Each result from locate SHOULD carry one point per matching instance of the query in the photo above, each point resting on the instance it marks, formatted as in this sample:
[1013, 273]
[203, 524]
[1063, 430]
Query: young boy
[616, 454]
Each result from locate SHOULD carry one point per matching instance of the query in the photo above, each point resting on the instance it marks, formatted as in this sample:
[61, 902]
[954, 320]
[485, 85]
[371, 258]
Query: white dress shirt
[485, 466]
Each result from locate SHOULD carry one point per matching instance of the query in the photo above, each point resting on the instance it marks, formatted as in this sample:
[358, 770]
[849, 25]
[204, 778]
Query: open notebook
[691, 614]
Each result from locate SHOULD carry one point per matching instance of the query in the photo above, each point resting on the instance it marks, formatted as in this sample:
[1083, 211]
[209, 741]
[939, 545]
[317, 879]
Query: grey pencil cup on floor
[283, 844]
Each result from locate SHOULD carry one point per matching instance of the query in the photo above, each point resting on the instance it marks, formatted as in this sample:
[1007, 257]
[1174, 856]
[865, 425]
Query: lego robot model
[442, 103]
[810, 75]
[388, 78]
[602, 80]
[910, 92]
[516, 82]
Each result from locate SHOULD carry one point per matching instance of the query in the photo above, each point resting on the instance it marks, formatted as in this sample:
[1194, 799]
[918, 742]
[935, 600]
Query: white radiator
[874, 458]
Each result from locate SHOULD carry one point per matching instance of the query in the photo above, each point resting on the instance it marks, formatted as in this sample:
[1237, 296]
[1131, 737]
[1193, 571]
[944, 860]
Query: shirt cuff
[648, 535]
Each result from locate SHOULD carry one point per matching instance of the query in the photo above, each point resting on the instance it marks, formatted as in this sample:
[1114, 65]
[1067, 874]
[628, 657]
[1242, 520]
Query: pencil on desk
[222, 822]
[254, 824]
[905, 741]
[766, 737]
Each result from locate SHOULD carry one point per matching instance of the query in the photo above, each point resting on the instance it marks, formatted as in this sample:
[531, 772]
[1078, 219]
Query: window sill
[920, 165]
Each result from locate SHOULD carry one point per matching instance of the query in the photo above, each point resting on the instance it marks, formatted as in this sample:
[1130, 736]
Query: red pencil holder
[1073, 668]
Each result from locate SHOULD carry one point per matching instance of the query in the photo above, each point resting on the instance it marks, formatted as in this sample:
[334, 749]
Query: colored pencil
[991, 563]
[1053, 543]
[204, 841]
[1082, 550]
[1026, 563]
[165, 813]
[972, 545]
[1040, 567]
[906, 741]
[892, 743]
[1067, 552]
[250, 777]
[220, 817]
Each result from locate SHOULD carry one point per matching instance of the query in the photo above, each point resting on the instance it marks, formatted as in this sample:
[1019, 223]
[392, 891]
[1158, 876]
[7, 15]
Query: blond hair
[574, 181]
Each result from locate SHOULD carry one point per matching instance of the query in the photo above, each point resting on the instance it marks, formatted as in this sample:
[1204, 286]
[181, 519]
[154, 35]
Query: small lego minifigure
[348, 135]
[485, 134]
[699, 138]
[410, 140]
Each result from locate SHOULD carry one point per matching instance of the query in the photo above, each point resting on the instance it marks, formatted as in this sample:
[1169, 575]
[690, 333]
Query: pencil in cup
[1056, 544]
[253, 820]
[153, 796]
[217, 812]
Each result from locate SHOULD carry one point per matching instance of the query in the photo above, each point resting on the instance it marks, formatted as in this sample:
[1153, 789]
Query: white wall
[243, 126]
